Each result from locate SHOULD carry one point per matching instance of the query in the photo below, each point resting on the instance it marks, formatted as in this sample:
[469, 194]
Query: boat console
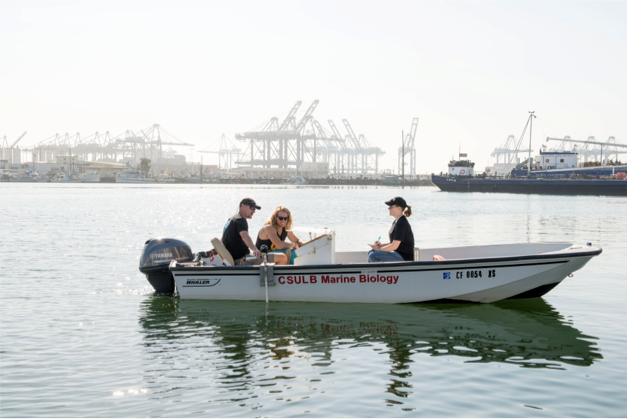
[318, 251]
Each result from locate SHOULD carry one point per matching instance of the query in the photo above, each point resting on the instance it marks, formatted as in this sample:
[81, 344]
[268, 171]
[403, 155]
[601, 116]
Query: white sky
[470, 70]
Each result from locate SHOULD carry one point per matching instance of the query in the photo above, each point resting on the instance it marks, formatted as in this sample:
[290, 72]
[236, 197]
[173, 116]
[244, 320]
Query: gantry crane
[12, 146]
[408, 148]
[225, 150]
[611, 143]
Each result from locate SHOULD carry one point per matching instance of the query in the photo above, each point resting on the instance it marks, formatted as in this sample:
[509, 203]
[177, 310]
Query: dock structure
[281, 147]
[127, 147]
[303, 146]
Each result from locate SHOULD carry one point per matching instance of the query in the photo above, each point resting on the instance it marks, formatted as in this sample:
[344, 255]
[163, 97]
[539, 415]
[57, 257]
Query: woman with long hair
[274, 233]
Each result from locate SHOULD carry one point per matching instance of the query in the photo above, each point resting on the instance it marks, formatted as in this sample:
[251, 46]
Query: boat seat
[222, 251]
[438, 257]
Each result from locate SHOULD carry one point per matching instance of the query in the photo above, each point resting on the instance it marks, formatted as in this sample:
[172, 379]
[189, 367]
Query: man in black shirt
[235, 235]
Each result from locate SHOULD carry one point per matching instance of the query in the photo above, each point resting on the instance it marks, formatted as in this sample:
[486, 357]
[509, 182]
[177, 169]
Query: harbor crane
[293, 144]
[363, 154]
[508, 150]
[611, 143]
[153, 139]
[290, 120]
[225, 150]
[18, 140]
[408, 148]
[12, 146]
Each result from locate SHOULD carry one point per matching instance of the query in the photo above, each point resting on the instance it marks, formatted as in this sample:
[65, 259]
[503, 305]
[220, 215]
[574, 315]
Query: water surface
[83, 335]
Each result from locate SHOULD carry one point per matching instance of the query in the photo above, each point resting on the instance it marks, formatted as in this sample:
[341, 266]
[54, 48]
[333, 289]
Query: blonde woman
[274, 234]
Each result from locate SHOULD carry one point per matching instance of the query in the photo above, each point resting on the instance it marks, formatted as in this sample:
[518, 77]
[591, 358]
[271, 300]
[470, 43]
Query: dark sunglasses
[252, 207]
[283, 218]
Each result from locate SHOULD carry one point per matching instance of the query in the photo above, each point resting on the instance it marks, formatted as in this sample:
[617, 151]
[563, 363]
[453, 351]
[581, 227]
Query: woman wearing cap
[401, 245]
[274, 233]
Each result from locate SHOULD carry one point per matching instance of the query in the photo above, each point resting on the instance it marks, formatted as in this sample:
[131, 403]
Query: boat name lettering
[340, 279]
[327, 279]
[388, 279]
[297, 279]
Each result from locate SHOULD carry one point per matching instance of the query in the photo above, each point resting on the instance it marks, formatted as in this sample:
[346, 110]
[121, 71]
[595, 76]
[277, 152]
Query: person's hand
[257, 253]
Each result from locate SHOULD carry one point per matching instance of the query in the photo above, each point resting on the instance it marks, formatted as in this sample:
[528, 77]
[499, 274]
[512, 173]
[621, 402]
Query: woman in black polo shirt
[401, 245]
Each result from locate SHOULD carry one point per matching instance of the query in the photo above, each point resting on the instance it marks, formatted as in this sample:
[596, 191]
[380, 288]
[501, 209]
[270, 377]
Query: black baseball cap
[250, 202]
[399, 201]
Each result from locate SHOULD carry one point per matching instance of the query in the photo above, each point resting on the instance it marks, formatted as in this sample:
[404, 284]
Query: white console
[319, 251]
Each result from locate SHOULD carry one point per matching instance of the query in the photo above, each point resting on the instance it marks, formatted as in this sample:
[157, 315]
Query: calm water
[83, 335]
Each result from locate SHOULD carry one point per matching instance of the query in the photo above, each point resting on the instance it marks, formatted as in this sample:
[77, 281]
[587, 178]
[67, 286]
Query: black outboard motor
[155, 259]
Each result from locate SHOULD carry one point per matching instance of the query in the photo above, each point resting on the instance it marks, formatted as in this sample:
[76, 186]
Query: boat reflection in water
[238, 335]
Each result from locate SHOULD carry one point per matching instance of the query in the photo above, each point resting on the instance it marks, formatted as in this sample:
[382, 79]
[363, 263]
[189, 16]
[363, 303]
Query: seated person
[235, 235]
[274, 234]
[401, 245]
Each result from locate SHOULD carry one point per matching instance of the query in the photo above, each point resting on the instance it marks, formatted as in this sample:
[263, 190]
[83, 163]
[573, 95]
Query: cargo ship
[603, 180]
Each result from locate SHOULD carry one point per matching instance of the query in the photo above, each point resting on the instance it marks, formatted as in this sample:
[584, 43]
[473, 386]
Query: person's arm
[274, 238]
[294, 239]
[249, 243]
[390, 247]
[377, 245]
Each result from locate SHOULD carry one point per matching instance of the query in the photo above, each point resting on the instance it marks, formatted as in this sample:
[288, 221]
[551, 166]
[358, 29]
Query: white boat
[296, 180]
[133, 176]
[320, 274]
[26, 176]
[67, 178]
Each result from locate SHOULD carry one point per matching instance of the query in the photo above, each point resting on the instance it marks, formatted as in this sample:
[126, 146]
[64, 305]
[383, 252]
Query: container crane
[290, 118]
[225, 150]
[12, 147]
[408, 148]
[602, 145]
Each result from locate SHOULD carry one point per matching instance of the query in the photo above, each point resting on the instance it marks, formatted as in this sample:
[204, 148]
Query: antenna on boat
[530, 146]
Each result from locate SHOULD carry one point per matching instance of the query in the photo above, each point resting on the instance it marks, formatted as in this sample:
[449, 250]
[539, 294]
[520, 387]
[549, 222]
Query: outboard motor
[155, 259]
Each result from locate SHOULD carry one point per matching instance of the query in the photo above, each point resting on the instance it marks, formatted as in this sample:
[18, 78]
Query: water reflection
[242, 346]
[530, 333]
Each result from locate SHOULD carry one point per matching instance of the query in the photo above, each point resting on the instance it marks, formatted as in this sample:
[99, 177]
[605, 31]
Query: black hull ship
[608, 187]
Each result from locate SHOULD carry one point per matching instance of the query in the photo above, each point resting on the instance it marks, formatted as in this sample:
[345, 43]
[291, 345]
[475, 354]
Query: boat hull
[609, 187]
[481, 280]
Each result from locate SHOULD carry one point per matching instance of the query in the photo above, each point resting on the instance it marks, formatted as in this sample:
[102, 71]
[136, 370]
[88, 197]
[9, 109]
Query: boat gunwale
[395, 266]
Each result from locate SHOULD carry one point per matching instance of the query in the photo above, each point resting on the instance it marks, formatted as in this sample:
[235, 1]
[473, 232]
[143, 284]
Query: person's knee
[280, 259]
[373, 257]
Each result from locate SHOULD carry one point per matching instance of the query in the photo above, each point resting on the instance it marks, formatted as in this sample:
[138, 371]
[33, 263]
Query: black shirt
[232, 240]
[259, 242]
[402, 231]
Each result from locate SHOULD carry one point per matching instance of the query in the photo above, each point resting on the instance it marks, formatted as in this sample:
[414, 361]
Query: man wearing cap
[401, 245]
[235, 235]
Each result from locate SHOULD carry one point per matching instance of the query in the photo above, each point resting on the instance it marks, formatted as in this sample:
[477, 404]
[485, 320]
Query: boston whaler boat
[472, 273]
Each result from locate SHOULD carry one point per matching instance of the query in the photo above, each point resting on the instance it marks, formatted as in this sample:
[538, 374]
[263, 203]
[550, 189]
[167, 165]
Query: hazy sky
[470, 70]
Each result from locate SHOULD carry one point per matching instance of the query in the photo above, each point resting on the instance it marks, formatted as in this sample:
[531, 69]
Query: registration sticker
[446, 275]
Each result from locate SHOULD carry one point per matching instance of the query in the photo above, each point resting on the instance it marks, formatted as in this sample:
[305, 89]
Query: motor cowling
[156, 257]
